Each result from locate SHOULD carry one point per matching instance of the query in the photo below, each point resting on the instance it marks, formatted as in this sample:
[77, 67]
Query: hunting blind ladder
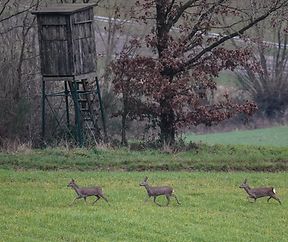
[70, 87]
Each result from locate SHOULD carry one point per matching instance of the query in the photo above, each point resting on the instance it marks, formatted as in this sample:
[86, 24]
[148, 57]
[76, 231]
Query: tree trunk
[167, 123]
[167, 116]
[124, 119]
[124, 141]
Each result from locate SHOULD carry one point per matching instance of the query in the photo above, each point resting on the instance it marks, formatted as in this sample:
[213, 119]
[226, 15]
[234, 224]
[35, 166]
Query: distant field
[34, 206]
[277, 136]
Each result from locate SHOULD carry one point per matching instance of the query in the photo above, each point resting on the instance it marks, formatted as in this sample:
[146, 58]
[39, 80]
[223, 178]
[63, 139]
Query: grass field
[35, 200]
[276, 136]
[34, 206]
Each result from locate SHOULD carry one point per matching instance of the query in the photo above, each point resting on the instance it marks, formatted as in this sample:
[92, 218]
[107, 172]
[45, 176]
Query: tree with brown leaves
[172, 86]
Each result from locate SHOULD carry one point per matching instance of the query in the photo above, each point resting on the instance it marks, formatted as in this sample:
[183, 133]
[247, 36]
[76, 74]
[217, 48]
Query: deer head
[71, 183]
[244, 184]
[144, 182]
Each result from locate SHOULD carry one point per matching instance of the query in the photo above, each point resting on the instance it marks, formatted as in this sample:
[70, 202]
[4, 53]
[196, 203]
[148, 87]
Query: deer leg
[98, 197]
[276, 198]
[249, 200]
[168, 199]
[75, 200]
[105, 199]
[154, 199]
[253, 198]
[146, 199]
[173, 195]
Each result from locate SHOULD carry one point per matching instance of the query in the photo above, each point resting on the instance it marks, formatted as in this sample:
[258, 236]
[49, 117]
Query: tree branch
[172, 20]
[190, 63]
[18, 13]
[4, 6]
[201, 18]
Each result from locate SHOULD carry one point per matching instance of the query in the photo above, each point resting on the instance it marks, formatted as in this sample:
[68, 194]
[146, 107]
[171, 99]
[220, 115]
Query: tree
[114, 33]
[18, 68]
[175, 82]
[268, 85]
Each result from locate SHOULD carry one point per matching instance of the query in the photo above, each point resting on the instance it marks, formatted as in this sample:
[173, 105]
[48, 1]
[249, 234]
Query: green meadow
[35, 202]
[35, 206]
[276, 136]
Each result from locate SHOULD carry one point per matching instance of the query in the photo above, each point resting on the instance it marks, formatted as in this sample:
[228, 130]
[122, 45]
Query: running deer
[259, 192]
[84, 192]
[157, 191]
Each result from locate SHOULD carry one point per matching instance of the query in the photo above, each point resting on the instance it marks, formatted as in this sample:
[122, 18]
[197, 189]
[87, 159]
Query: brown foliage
[174, 86]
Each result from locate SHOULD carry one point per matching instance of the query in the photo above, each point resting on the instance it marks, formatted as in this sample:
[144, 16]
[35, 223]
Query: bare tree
[268, 85]
[114, 32]
[18, 68]
[7, 9]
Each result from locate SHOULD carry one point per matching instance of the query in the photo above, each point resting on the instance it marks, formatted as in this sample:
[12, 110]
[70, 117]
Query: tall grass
[201, 158]
[34, 206]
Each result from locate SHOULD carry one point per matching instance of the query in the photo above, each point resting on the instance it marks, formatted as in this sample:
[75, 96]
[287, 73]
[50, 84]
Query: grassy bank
[34, 206]
[200, 158]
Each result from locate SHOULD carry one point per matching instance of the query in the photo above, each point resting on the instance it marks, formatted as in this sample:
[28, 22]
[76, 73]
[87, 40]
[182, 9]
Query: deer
[157, 191]
[259, 192]
[84, 192]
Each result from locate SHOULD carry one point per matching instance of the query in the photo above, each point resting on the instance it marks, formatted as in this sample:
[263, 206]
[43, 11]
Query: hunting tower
[68, 68]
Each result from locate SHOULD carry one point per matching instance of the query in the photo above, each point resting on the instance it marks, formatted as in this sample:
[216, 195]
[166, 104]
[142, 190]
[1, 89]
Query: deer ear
[72, 180]
[245, 180]
[146, 178]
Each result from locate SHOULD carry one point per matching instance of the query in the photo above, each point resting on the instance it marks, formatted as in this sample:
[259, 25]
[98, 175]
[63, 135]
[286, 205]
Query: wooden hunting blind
[68, 55]
[66, 40]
